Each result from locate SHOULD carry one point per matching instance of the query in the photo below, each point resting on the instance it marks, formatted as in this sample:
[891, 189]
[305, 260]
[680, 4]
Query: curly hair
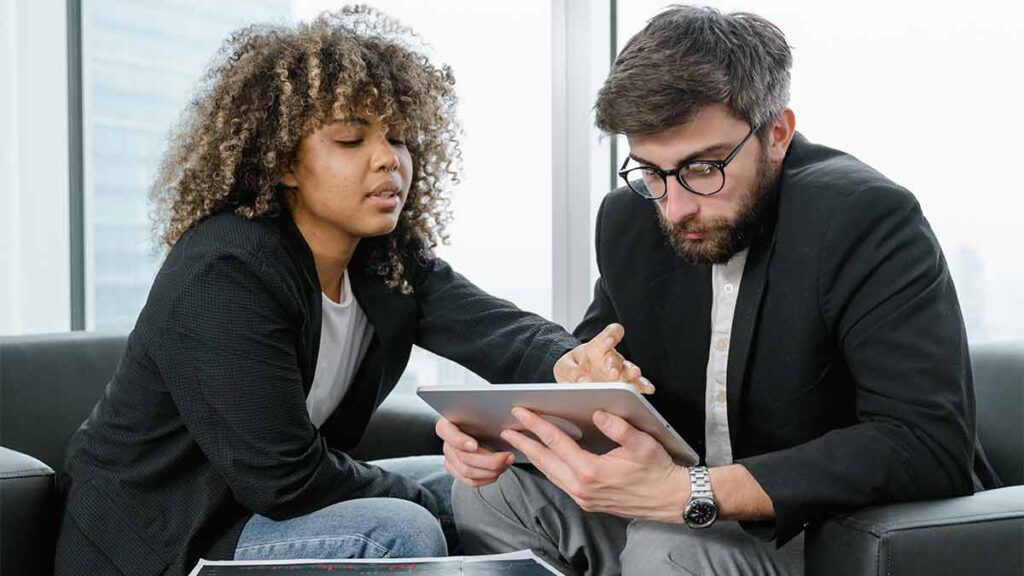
[270, 85]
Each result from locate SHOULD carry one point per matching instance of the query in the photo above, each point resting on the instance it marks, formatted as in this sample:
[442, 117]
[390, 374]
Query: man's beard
[722, 239]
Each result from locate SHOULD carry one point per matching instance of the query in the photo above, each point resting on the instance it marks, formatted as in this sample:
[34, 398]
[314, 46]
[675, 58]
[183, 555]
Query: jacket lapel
[393, 317]
[746, 314]
[681, 308]
[744, 324]
[309, 345]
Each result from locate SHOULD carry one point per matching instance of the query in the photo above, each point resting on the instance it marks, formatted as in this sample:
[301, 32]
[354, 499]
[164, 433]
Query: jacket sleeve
[227, 356]
[886, 295]
[488, 335]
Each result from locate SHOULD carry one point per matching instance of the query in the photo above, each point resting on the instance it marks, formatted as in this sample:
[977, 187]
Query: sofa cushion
[26, 519]
[49, 385]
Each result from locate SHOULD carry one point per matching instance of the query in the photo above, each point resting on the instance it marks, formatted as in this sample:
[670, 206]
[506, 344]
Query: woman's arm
[490, 336]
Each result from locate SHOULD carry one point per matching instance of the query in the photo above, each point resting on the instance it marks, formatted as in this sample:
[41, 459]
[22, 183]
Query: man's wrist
[739, 495]
[678, 490]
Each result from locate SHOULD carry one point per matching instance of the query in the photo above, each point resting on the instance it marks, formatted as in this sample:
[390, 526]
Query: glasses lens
[645, 182]
[703, 178]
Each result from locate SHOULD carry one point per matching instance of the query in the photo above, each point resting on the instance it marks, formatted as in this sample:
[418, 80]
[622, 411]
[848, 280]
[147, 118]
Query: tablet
[484, 410]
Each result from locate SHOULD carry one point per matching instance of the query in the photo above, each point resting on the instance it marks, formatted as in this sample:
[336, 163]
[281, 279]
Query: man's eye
[698, 169]
[350, 143]
[397, 142]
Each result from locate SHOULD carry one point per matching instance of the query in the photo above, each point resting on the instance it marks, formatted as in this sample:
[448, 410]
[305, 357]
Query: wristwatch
[701, 509]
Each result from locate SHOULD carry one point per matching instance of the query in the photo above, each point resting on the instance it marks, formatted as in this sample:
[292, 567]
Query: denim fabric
[362, 528]
[430, 473]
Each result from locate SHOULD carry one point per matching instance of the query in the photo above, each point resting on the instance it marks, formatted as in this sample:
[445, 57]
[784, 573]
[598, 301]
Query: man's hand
[636, 480]
[598, 361]
[466, 461]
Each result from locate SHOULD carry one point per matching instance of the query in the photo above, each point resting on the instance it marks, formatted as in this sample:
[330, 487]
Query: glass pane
[141, 58]
[140, 61]
[904, 97]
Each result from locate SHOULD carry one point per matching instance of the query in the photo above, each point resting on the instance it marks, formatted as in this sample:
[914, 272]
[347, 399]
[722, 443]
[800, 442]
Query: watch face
[700, 513]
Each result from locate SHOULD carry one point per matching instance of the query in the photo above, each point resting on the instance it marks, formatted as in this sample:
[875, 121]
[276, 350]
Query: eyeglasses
[702, 177]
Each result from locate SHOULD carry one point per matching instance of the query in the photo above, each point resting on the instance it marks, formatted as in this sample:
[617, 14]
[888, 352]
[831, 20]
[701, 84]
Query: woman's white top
[345, 334]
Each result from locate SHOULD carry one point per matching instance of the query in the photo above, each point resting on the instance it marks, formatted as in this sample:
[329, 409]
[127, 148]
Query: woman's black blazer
[204, 422]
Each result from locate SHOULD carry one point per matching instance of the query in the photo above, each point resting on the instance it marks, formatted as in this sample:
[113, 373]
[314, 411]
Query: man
[791, 305]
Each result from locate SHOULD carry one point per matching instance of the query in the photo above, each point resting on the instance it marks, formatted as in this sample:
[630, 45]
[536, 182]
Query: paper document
[521, 563]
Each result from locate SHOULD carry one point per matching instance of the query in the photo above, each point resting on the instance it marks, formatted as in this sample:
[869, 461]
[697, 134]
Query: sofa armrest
[402, 426]
[26, 514]
[979, 534]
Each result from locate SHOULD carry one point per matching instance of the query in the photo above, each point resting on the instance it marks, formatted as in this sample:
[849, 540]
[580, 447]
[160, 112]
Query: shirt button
[721, 345]
[728, 288]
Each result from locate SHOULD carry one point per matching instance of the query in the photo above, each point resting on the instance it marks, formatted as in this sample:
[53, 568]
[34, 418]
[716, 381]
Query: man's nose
[679, 204]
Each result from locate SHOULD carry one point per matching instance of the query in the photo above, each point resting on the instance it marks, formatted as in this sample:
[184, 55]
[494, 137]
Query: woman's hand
[466, 460]
[599, 361]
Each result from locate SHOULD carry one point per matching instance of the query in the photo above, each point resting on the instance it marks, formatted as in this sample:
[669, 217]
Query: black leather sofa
[48, 385]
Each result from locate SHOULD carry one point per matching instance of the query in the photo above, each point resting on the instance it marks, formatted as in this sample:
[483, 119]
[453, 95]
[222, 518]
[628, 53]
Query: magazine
[520, 563]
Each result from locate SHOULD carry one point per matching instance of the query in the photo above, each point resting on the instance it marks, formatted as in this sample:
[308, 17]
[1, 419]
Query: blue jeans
[361, 528]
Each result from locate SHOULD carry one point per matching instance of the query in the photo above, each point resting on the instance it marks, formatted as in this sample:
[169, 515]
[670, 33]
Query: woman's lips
[386, 196]
[389, 201]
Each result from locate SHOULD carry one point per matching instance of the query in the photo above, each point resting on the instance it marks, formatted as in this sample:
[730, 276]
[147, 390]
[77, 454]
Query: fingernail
[519, 413]
[600, 417]
[471, 446]
[609, 342]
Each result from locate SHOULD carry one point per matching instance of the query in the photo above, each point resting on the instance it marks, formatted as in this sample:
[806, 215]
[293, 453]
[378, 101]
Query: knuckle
[451, 470]
[618, 427]
[587, 475]
[575, 491]
[464, 470]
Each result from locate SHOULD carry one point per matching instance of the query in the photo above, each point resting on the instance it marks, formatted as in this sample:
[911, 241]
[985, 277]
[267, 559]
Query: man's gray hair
[688, 57]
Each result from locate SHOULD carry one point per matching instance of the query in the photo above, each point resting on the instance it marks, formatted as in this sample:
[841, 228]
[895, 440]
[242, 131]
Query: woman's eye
[350, 143]
[396, 141]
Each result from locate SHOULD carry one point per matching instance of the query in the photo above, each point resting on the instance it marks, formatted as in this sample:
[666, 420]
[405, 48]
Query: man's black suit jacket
[849, 381]
[205, 422]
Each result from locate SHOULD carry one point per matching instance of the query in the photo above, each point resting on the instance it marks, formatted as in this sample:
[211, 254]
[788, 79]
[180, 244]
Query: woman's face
[351, 177]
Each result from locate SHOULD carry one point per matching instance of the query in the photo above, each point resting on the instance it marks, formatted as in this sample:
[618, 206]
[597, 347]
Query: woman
[300, 199]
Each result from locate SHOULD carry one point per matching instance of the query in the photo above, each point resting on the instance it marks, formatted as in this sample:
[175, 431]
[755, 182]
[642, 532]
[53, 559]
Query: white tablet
[484, 410]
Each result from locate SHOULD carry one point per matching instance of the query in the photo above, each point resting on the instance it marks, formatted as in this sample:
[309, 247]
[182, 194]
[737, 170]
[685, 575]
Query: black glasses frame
[678, 172]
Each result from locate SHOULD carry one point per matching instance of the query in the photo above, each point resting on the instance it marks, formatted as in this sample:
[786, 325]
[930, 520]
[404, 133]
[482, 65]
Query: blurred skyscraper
[141, 60]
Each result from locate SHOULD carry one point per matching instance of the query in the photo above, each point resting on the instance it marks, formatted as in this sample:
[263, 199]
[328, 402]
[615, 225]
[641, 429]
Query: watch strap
[700, 482]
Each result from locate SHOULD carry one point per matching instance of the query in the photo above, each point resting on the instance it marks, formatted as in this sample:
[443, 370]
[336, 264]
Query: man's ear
[780, 135]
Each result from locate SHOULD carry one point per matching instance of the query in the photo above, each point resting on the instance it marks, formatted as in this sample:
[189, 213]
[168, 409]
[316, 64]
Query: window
[891, 90]
[142, 58]
[140, 61]
[34, 247]
[907, 91]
